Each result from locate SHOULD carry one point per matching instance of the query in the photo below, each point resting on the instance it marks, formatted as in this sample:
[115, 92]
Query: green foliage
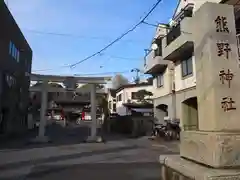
[142, 94]
[87, 87]
[103, 104]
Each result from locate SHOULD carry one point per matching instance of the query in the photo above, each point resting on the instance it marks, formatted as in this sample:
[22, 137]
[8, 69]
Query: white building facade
[172, 65]
[126, 94]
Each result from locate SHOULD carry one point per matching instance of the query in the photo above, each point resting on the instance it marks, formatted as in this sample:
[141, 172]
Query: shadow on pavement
[96, 171]
[59, 135]
[55, 159]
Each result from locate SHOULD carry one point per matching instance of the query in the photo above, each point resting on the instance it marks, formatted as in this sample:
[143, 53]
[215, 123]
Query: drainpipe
[172, 87]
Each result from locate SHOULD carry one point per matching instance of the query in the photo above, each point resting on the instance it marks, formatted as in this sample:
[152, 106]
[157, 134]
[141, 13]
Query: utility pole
[146, 53]
[137, 78]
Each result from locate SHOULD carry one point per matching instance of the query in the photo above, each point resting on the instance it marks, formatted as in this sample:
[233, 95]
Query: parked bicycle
[169, 131]
[172, 131]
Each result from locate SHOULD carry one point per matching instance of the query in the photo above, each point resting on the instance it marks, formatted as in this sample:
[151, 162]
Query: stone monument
[213, 151]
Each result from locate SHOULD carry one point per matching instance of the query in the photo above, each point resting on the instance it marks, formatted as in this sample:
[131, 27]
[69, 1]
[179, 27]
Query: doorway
[190, 114]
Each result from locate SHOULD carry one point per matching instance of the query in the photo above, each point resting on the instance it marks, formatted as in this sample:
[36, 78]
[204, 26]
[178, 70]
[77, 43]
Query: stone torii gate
[70, 82]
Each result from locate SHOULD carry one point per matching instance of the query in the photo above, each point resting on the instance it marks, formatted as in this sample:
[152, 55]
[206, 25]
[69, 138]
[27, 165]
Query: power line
[108, 56]
[119, 38]
[123, 58]
[72, 35]
[50, 69]
[110, 44]
[104, 73]
[154, 25]
[169, 28]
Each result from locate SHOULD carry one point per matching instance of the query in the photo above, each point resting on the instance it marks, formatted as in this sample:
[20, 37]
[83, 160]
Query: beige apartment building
[127, 94]
[171, 62]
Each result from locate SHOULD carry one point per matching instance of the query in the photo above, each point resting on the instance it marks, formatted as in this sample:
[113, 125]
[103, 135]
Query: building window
[10, 48]
[13, 51]
[160, 80]
[119, 97]
[134, 95]
[187, 67]
[11, 81]
[114, 107]
[110, 105]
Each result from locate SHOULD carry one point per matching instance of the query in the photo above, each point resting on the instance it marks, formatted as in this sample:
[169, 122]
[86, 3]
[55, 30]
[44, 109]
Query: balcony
[154, 64]
[179, 42]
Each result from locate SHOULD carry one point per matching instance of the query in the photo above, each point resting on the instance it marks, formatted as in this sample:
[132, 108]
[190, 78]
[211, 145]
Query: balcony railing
[154, 53]
[158, 51]
[175, 31]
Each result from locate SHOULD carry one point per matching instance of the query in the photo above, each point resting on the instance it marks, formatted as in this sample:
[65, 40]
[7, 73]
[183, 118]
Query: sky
[90, 25]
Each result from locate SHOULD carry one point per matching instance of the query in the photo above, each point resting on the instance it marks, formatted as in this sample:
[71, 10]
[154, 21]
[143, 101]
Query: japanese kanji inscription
[226, 77]
[227, 104]
[223, 49]
[221, 24]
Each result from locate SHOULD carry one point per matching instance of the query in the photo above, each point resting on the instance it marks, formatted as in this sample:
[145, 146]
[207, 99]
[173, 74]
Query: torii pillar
[93, 134]
[41, 138]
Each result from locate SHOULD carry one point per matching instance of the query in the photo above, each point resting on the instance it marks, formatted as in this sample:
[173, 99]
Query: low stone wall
[135, 126]
[141, 126]
[170, 174]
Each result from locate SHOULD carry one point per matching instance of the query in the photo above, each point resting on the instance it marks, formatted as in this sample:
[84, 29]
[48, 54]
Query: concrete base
[175, 167]
[215, 149]
[97, 139]
[40, 139]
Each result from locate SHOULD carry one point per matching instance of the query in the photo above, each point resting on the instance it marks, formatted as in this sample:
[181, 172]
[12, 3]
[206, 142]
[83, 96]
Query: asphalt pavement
[67, 157]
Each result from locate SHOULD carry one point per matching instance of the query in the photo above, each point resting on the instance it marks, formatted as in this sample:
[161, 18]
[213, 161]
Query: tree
[86, 88]
[142, 96]
[119, 80]
[99, 86]
[51, 95]
[70, 82]
[103, 103]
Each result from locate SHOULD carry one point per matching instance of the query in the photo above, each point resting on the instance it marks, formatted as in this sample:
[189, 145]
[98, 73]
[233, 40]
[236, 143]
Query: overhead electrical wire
[108, 56]
[104, 73]
[111, 43]
[119, 38]
[124, 58]
[74, 35]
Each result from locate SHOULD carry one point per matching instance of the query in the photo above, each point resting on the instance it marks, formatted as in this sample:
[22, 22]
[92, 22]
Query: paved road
[118, 158]
[72, 134]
